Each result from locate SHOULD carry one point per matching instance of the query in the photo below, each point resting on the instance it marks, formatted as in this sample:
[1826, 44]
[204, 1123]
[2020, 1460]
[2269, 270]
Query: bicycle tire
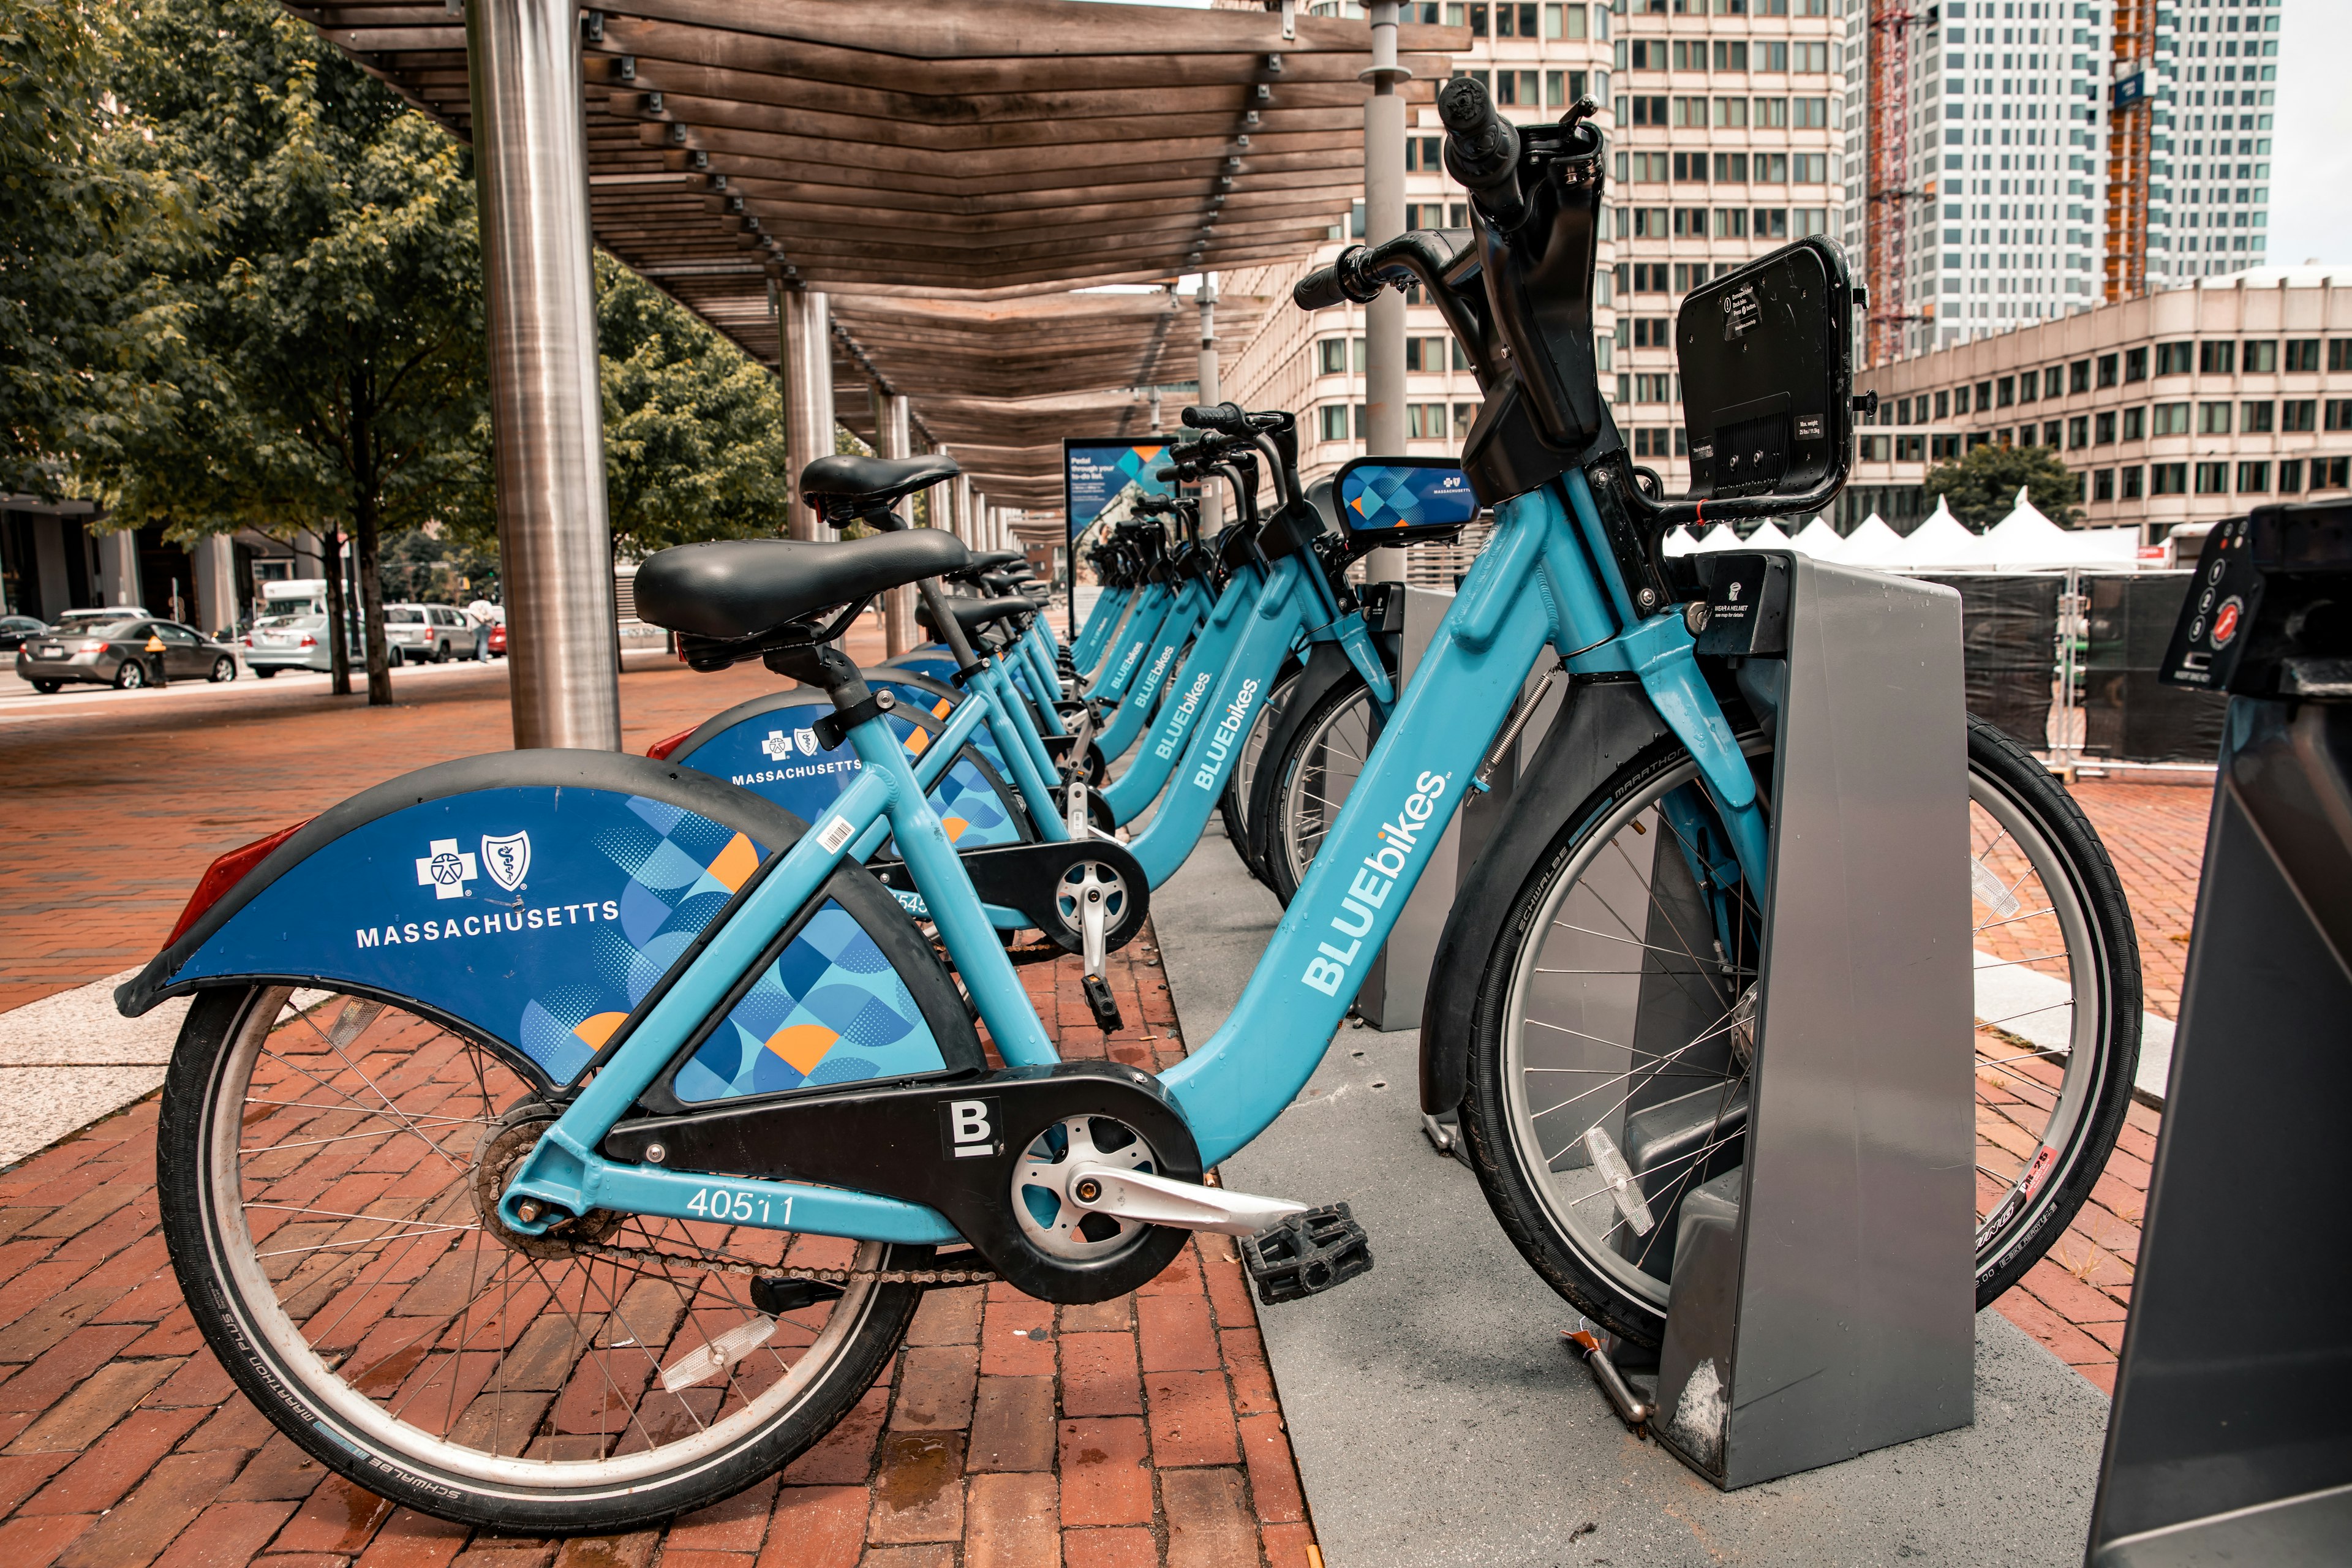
[1503, 1149]
[1232, 801]
[337, 1400]
[1312, 780]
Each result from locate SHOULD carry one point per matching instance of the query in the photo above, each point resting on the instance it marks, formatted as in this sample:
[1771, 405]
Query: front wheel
[1610, 1059]
[328, 1168]
[224, 668]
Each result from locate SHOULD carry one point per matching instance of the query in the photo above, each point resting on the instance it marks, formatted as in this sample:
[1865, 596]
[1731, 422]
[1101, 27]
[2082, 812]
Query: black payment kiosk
[2230, 1436]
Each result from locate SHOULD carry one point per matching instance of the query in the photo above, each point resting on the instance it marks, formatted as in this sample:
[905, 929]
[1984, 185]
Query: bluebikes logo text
[1374, 881]
[1181, 719]
[1230, 725]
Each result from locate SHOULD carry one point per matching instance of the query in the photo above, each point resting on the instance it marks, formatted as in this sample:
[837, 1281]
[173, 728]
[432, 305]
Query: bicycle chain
[762, 1272]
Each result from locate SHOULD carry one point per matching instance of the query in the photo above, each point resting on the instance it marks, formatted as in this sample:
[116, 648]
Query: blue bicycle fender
[769, 745]
[539, 901]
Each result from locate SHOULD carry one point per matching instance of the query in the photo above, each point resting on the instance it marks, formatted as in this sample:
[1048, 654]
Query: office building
[1725, 120]
[2184, 405]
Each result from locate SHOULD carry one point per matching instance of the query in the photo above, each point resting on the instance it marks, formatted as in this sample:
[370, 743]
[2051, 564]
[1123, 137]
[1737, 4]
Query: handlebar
[1482, 150]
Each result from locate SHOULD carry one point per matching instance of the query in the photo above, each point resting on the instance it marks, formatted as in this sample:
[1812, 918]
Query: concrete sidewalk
[1437, 1420]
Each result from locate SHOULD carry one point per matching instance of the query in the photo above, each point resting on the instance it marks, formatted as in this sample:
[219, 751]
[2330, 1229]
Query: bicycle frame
[1191, 607]
[1158, 602]
[1543, 578]
[1105, 618]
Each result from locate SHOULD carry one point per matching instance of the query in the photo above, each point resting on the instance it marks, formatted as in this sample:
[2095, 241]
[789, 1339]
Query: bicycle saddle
[973, 613]
[736, 588]
[847, 483]
[989, 560]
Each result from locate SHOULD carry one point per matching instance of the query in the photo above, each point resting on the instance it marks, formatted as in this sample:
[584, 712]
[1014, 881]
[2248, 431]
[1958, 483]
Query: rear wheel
[264, 671]
[1315, 777]
[328, 1168]
[130, 676]
[47, 687]
[1608, 1063]
[1232, 804]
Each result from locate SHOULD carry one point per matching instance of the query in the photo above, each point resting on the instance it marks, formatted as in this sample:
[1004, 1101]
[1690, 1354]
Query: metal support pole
[893, 438]
[531, 152]
[1384, 219]
[808, 396]
[117, 569]
[1213, 499]
[960, 508]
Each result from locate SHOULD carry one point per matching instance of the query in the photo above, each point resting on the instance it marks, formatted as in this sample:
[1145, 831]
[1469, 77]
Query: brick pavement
[1141, 1432]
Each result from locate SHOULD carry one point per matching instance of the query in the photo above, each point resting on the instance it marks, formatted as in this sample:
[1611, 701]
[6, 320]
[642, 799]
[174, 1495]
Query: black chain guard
[951, 1145]
[1026, 877]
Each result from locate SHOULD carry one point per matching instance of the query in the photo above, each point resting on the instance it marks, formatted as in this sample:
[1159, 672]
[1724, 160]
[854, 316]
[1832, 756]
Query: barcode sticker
[833, 835]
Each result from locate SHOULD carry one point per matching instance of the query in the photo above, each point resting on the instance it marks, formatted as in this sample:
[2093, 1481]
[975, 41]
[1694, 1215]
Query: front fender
[535, 899]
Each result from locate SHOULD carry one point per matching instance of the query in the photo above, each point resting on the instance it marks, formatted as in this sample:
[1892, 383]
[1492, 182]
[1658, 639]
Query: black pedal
[1307, 1254]
[1105, 1005]
[777, 1297]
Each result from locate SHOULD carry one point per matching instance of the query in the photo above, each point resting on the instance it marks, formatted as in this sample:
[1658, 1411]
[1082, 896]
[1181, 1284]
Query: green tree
[1981, 488]
[80, 233]
[694, 428]
[328, 366]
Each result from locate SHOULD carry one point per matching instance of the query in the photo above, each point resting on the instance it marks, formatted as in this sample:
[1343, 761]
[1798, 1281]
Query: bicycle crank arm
[1157, 1200]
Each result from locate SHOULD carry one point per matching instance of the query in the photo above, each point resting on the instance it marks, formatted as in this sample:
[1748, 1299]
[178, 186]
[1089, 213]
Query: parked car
[418, 633]
[82, 620]
[17, 630]
[499, 639]
[125, 654]
[288, 642]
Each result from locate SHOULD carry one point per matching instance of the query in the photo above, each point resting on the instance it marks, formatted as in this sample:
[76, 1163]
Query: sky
[2311, 161]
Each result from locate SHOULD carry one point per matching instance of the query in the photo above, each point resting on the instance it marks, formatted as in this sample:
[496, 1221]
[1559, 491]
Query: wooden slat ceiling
[949, 171]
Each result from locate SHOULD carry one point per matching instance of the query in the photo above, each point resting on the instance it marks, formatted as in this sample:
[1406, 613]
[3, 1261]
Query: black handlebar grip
[1319, 290]
[1482, 149]
[1225, 418]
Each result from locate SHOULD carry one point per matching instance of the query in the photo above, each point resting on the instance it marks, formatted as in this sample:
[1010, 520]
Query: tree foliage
[1981, 488]
[329, 365]
[694, 428]
[82, 232]
[243, 289]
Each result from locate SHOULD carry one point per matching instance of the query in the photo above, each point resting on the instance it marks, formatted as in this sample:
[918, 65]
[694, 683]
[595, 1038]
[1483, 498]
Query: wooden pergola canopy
[949, 171]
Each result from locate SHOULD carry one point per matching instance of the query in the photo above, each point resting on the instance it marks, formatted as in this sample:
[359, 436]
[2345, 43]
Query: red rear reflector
[660, 749]
[225, 873]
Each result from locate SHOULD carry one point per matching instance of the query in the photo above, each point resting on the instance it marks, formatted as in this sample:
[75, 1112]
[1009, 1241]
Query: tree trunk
[339, 647]
[370, 543]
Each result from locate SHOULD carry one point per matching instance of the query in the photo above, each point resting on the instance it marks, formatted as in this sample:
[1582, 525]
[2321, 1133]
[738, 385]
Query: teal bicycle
[561, 1140]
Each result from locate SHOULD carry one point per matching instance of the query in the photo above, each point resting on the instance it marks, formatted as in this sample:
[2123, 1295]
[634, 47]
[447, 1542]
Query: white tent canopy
[2026, 541]
[1819, 541]
[1942, 542]
[1873, 545]
[1722, 536]
[1678, 540]
[1767, 537]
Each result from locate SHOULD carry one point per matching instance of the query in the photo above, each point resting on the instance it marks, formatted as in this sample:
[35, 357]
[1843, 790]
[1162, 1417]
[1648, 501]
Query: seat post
[824, 666]
[951, 630]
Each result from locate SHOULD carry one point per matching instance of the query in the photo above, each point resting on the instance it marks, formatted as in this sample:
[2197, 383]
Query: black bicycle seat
[989, 560]
[848, 483]
[737, 588]
[973, 613]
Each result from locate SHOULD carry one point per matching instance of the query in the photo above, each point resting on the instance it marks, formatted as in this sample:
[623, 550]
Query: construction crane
[1887, 224]
[2131, 119]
